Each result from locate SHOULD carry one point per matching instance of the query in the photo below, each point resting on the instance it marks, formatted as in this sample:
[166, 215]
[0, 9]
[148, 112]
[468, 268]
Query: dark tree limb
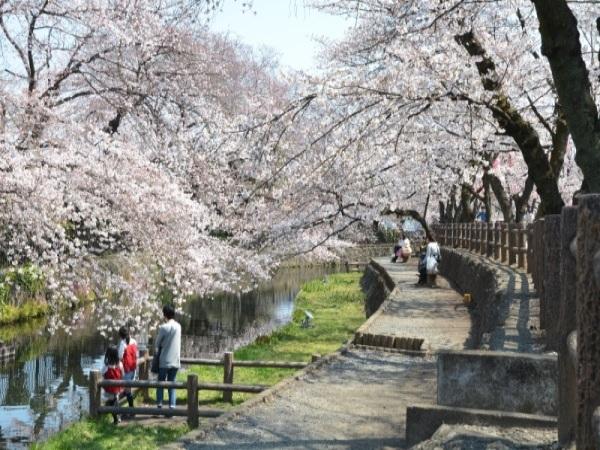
[560, 44]
[515, 126]
[503, 199]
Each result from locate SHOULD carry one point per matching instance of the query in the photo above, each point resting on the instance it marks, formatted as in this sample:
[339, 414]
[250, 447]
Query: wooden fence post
[489, 252]
[455, 235]
[144, 374]
[567, 373]
[228, 375]
[497, 240]
[530, 257]
[588, 318]
[503, 242]
[467, 245]
[94, 393]
[473, 239]
[512, 244]
[551, 279]
[482, 238]
[522, 245]
[192, 400]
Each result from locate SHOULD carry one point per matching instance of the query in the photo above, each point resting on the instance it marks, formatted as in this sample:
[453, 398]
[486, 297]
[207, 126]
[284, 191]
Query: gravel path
[357, 399]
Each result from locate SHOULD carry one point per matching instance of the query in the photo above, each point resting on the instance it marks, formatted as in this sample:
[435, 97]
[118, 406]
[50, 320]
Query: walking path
[356, 399]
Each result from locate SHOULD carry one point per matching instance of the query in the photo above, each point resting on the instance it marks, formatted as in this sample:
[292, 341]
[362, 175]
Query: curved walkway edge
[355, 398]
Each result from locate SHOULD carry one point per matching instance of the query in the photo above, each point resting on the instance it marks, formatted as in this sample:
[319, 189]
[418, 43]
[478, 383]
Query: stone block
[423, 420]
[515, 382]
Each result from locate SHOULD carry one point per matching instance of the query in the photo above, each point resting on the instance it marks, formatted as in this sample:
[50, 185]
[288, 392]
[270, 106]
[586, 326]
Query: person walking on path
[433, 257]
[168, 347]
[128, 353]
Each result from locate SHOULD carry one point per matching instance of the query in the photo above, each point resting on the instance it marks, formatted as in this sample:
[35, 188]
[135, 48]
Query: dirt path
[358, 399]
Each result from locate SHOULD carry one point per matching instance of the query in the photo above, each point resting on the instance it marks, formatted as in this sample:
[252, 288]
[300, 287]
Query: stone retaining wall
[504, 381]
[490, 285]
[377, 284]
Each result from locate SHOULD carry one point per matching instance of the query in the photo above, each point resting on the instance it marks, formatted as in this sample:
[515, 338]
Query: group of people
[120, 362]
[429, 258]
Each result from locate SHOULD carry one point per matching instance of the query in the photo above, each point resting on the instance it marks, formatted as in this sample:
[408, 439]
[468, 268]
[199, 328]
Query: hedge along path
[354, 398]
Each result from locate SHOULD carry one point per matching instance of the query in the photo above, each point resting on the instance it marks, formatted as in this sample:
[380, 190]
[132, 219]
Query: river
[43, 387]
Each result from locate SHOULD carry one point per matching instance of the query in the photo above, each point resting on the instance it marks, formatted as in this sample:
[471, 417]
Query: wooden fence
[191, 385]
[562, 253]
[505, 242]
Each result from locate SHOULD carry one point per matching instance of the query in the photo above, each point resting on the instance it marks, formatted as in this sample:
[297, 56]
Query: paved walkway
[358, 399]
[436, 315]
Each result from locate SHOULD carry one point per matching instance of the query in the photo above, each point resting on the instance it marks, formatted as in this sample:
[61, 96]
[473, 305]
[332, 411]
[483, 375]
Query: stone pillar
[497, 240]
[588, 317]
[539, 267]
[551, 279]
[490, 239]
[522, 245]
[483, 237]
[567, 374]
[530, 258]
[503, 242]
[512, 244]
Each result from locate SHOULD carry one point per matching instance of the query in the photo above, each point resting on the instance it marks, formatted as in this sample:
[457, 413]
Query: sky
[287, 26]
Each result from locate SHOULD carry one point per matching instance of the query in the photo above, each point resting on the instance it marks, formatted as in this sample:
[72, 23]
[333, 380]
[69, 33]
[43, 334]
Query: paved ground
[359, 399]
[521, 329]
[434, 314]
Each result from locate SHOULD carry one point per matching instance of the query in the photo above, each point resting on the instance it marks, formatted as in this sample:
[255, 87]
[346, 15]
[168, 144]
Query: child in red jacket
[113, 370]
[128, 353]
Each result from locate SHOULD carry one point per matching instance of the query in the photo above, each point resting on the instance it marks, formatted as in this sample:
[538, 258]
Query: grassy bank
[337, 305]
[336, 302]
[102, 434]
[21, 294]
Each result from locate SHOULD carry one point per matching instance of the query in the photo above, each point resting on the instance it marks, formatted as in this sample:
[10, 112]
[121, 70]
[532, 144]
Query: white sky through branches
[287, 26]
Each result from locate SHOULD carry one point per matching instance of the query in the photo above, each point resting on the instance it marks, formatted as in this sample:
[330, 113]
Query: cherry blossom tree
[120, 141]
[476, 65]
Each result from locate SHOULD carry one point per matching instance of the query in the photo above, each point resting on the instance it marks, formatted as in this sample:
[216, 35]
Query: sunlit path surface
[359, 399]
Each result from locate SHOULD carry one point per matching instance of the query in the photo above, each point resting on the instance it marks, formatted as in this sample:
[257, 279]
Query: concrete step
[423, 420]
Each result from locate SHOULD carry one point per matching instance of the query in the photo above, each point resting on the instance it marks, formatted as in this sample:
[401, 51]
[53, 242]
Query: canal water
[43, 387]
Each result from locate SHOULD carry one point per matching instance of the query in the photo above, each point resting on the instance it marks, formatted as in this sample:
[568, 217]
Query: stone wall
[486, 284]
[505, 381]
[377, 285]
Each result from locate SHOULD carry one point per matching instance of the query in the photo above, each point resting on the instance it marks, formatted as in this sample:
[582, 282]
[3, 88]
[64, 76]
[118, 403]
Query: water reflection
[44, 387]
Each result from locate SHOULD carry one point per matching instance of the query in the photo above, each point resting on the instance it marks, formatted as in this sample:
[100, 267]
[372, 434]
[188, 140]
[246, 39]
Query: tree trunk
[560, 44]
[511, 121]
[501, 195]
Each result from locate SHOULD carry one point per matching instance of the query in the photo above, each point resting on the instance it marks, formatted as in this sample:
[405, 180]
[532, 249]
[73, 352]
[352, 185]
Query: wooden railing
[191, 385]
[506, 242]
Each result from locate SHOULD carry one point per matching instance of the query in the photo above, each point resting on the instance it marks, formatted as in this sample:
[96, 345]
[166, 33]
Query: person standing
[433, 256]
[112, 370]
[128, 353]
[405, 249]
[168, 347]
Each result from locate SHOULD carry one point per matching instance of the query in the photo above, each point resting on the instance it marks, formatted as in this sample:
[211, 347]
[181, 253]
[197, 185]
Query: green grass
[30, 309]
[103, 435]
[337, 305]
